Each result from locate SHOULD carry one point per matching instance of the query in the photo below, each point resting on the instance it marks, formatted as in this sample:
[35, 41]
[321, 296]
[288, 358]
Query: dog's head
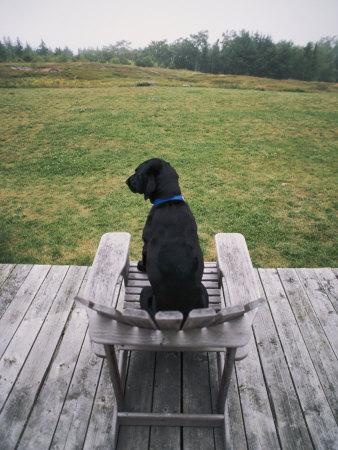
[154, 178]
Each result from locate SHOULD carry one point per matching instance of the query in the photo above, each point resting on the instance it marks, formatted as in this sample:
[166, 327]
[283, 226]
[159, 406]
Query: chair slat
[133, 317]
[232, 312]
[138, 289]
[200, 318]
[254, 304]
[142, 282]
[169, 320]
[135, 297]
[229, 313]
[207, 276]
[104, 310]
[137, 317]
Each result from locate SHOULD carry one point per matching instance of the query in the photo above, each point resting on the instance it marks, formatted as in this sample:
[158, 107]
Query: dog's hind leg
[147, 301]
[141, 265]
[205, 296]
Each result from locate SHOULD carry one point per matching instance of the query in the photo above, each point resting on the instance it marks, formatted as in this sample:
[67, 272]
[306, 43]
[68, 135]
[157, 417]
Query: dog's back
[176, 259]
[175, 268]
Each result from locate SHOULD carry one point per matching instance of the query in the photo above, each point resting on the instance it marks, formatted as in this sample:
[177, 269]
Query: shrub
[144, 61]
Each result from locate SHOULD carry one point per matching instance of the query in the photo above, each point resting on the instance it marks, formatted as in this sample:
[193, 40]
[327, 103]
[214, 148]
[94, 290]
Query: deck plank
[290, 424]
[72, 426]
[17, 351]
[12, 284]
[317, 412]
[319, 349]
[196, 399]
[39, 434]
[214, 389]
[258, 418]
[22, 397]
[20, 303]
[166, 399]
[329, 281]
[100, 428]
[321, 305]
[235, 435]
[5, 270]
[138, 397]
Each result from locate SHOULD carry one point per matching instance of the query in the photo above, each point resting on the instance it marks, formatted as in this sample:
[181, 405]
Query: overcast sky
[86, 23]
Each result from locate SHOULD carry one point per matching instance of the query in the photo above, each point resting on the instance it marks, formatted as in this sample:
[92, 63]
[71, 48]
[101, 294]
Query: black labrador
[171, 255]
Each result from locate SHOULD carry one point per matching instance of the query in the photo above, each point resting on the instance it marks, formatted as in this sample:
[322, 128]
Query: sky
[86, 23]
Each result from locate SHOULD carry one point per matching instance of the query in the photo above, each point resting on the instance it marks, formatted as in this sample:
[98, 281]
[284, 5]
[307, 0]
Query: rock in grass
[145, 83]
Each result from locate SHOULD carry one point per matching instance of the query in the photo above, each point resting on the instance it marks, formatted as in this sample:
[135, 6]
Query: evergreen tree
[18, 50]
[3, 52]
[43, 50]
[9, 49]
[28, 53]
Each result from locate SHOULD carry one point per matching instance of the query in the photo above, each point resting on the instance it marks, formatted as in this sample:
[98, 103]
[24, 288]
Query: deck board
[19, 348]
[55, 393]
[166, 399]
[317, 412]
[11, 283]
[285, 408]
[320, 351]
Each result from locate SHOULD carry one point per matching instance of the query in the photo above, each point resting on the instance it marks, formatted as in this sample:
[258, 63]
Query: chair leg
[123, 367]
[226, 378]
[114, 375]
[220, 365]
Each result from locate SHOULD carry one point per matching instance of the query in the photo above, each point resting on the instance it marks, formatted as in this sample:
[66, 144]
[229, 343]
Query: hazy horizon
[84, 24]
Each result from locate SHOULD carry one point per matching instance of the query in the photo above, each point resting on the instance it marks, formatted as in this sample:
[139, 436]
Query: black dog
[171, 255]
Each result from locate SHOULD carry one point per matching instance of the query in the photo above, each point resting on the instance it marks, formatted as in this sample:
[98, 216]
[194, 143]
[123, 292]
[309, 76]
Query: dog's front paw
[141, 267]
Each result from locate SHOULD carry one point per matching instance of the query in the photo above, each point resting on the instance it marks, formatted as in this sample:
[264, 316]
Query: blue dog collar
[158, 201]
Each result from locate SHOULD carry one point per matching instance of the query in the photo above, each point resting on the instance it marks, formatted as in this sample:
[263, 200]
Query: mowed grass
[261, 163]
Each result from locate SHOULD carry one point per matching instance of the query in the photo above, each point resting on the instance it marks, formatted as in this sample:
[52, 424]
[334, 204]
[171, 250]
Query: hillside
[93, 75]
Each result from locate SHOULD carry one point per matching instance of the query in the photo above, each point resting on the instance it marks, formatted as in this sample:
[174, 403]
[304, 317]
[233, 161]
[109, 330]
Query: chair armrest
[111, 260]
[236, 273]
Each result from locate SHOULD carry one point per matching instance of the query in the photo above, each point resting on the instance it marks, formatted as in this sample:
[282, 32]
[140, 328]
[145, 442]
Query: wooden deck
[55, 393]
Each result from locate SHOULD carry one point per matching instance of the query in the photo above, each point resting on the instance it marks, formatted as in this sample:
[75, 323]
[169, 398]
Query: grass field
[258, 157]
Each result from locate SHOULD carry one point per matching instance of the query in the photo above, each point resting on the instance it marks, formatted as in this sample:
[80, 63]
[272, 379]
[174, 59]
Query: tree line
[237, 53]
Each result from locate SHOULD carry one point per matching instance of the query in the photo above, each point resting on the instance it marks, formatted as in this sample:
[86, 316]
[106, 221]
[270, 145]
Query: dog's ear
[155, 166]
[150, 186]
[153, 169]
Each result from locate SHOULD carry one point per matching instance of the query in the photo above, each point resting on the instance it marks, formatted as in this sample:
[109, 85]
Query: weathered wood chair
[219, 328]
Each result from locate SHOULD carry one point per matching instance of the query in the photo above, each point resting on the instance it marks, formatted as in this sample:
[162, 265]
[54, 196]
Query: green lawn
[259, 162]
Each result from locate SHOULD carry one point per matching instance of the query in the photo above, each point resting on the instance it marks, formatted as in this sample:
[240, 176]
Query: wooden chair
[219, 328]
